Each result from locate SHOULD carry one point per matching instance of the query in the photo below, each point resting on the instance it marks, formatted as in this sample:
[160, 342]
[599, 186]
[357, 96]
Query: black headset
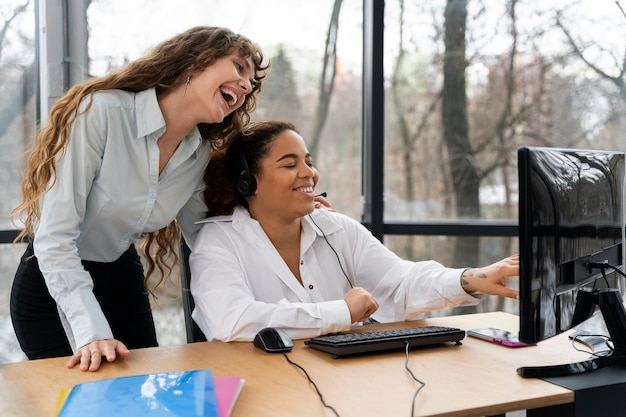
[246, 183]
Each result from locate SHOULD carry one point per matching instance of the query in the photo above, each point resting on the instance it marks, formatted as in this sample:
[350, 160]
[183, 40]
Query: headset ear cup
[242, 185]
[246, 184]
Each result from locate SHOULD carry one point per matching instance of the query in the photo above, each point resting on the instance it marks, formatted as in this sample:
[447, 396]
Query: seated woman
[266, 257]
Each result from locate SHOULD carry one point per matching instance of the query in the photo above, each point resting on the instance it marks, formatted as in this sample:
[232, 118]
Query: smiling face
[286, 181]
[221, 88]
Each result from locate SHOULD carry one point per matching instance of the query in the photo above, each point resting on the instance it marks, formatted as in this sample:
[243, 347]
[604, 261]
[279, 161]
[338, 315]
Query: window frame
[62, 61]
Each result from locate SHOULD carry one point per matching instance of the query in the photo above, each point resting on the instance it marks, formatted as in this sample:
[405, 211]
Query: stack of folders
[182, 394]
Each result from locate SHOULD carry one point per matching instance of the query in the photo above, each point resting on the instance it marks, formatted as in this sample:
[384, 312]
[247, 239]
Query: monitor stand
[610, 303]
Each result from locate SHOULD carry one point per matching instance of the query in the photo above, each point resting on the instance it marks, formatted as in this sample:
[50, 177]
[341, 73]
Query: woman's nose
[246, 85]
[307, 171]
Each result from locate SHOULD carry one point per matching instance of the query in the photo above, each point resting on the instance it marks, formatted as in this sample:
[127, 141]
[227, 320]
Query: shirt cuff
[335, 316]
[454, 290]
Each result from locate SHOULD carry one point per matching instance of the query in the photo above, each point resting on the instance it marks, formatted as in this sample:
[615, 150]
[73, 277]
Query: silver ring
[95, 352]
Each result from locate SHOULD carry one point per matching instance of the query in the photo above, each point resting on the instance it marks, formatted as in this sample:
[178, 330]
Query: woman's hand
[90, 356]
[361, 304]
[491, 278]
[321, 202]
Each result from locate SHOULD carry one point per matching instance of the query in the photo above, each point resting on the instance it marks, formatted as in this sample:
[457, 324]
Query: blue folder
[169, 394]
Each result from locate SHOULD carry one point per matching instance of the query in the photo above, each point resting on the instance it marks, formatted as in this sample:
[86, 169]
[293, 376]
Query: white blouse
[240, 284]
[108, 194]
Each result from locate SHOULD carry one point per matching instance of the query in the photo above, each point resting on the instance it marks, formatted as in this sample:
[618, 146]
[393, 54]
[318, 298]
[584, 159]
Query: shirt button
[301, 262]
[311, 286]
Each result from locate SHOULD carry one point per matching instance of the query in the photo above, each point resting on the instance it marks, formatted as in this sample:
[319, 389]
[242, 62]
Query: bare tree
[410, 132]
[412, 120]
[618, 80]
[327, 80]
[15, 93]
[280, 90]
[12, 15]
[465, 179]
[598, 98]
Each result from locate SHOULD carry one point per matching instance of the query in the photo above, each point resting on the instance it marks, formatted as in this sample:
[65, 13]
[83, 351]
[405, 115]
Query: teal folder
[169, 394]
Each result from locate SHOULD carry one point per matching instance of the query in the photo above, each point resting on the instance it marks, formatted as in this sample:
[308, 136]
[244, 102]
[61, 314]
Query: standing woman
[122, 158]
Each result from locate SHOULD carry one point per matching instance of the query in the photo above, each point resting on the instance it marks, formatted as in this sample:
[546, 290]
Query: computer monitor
[571, 238]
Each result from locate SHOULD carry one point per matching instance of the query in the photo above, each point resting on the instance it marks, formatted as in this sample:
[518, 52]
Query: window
[530, 73]
[17, 125]
[292, 35]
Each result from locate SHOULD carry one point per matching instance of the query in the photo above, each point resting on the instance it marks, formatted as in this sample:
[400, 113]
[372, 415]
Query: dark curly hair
[220, 177]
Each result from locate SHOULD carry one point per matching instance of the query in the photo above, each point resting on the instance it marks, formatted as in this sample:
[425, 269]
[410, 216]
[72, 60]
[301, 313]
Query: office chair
[194, 334]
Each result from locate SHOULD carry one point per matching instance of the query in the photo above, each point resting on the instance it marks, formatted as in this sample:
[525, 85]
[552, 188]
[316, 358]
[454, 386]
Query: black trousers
[118, 287]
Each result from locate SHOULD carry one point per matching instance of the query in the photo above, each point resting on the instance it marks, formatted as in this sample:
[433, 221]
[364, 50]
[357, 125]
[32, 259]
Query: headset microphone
[322, 194]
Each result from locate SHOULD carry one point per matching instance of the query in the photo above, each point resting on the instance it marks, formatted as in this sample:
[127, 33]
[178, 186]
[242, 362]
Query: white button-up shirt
[241, 284]
[108, 193]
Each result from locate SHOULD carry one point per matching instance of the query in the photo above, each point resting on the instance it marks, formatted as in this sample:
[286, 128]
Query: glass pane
[17, 99]
[17, 126]
[529, 81]
[294, 39]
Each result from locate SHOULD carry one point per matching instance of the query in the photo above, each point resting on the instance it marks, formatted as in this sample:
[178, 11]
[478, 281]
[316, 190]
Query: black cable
[312, 383]
[577, 338]
[604, 265]
[606, 280]
[422, 384]
[616, 269]
[368, 320]
[333, 249]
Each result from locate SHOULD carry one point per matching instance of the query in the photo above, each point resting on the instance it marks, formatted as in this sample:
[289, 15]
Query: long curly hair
[221, 175]
[166, 67]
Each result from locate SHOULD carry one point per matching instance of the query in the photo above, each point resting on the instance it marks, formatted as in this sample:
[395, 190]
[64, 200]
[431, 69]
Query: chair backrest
[194, 334]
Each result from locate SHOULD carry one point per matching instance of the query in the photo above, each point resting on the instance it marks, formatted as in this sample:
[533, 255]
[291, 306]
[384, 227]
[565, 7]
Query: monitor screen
[571, 221]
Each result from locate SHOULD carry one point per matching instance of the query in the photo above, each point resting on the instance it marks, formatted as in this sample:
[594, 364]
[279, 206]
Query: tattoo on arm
[470, 272]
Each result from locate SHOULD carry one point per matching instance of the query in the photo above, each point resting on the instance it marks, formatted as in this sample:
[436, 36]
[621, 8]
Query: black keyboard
[392, 339]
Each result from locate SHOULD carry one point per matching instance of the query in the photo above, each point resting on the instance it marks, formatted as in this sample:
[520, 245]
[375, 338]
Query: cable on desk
[422, 384]
[577, 338]
[312, 383]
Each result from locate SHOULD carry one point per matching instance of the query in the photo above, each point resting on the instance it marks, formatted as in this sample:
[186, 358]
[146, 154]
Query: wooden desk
[475, 379]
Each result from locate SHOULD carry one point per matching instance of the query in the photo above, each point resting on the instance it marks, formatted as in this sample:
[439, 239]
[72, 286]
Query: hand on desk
[90, 356]
[491, 279]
